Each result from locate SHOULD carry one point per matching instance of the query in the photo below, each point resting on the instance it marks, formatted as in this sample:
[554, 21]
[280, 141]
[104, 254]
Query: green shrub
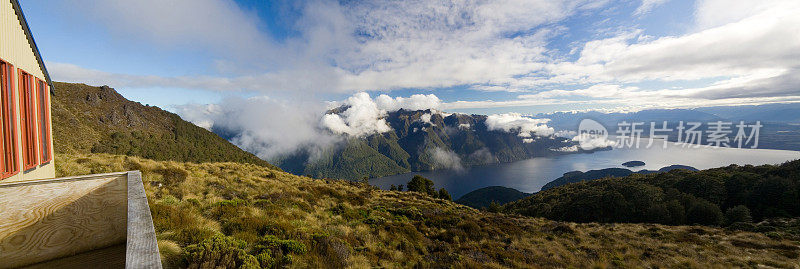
[704, 212]
[265, 260]
[494, 207]
[422, 185]
[192, 235]
[271, 242]
[739, 213]
[220, 252]
[443, 194]
[278, 250]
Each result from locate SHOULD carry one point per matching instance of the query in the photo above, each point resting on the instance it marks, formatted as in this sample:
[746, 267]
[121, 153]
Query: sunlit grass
[233, 214]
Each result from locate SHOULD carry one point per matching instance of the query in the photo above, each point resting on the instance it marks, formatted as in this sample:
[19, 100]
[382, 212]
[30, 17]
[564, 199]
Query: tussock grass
[244, 215]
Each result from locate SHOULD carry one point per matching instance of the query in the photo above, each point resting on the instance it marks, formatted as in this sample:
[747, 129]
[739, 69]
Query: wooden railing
[93, 221]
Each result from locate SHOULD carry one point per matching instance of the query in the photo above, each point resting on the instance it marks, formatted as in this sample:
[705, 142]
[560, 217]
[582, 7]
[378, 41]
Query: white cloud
[217, 25]
[749, 49]
[414, 102]
[201, 115]
[271, 127]
[426, 118]
[589, 142]
[515, 122]
[365, 116]
[648, 5]
[444, 158]
[752, 50]
[264, 126]
[768, 39]
[299, 81]
[340, 47]
[573, 148]
[715, 13]
[595, 91]
[482, 156]
[566, 133]
[362, 117]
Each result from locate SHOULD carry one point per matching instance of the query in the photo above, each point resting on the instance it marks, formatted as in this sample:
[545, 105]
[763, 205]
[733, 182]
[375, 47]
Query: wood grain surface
[142, 246]
[48, 219]
[106, 258]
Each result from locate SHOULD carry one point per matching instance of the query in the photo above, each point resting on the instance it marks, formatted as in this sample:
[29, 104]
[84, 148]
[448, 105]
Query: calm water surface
[530, 175]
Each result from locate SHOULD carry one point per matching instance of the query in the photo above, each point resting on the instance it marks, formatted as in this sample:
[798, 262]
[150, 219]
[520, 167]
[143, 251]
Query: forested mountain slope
[100, 120]
[422, 140]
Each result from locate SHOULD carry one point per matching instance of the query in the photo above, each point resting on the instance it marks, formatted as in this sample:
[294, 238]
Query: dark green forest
[722, 196]
[484, 197]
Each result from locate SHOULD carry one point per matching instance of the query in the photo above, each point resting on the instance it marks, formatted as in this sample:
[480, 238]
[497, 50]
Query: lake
[530, 175]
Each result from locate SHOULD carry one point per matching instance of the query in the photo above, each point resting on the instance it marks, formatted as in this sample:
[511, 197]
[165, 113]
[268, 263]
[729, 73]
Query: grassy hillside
[244, 215]
[714, 197]
[89, 119]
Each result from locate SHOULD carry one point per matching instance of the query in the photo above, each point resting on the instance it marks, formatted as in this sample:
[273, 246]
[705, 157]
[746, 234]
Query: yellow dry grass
[345, 224]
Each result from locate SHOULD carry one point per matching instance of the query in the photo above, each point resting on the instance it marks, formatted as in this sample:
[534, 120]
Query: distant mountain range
[781, 122]
[422, 140]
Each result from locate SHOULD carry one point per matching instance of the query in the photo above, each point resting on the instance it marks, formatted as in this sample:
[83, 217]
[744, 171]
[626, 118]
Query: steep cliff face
[422, 140]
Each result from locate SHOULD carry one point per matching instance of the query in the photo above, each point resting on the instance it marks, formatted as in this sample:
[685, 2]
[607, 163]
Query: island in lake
[633, 163]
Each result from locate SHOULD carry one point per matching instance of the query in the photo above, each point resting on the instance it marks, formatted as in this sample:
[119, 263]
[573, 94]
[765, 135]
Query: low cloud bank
[365, 116]
[445, 158]
[264, 126]
[272, 128]
[515, 122]
[588, 142]
[415, 102]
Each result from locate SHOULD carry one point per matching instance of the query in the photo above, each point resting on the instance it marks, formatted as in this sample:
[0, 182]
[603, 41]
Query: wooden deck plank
[49, 219]
[93, 221]
[111, 257]
[142, 250]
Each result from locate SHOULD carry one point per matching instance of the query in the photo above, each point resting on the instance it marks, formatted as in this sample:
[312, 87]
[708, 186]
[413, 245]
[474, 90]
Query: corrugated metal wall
[15, 49]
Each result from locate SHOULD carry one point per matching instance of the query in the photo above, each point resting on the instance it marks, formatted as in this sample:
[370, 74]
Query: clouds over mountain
[270, 127]
[515, 122]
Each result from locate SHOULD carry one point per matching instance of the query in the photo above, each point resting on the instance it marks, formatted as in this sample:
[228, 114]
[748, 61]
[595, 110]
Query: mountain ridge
[423, 140]
[88, 119]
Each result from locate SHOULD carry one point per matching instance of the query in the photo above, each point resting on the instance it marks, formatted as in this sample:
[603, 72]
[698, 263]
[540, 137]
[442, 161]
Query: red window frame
[27, 109]
[9, 165]
[43, 99]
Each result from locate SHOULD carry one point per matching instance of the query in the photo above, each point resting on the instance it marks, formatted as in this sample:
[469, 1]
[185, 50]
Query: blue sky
[475, 56]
